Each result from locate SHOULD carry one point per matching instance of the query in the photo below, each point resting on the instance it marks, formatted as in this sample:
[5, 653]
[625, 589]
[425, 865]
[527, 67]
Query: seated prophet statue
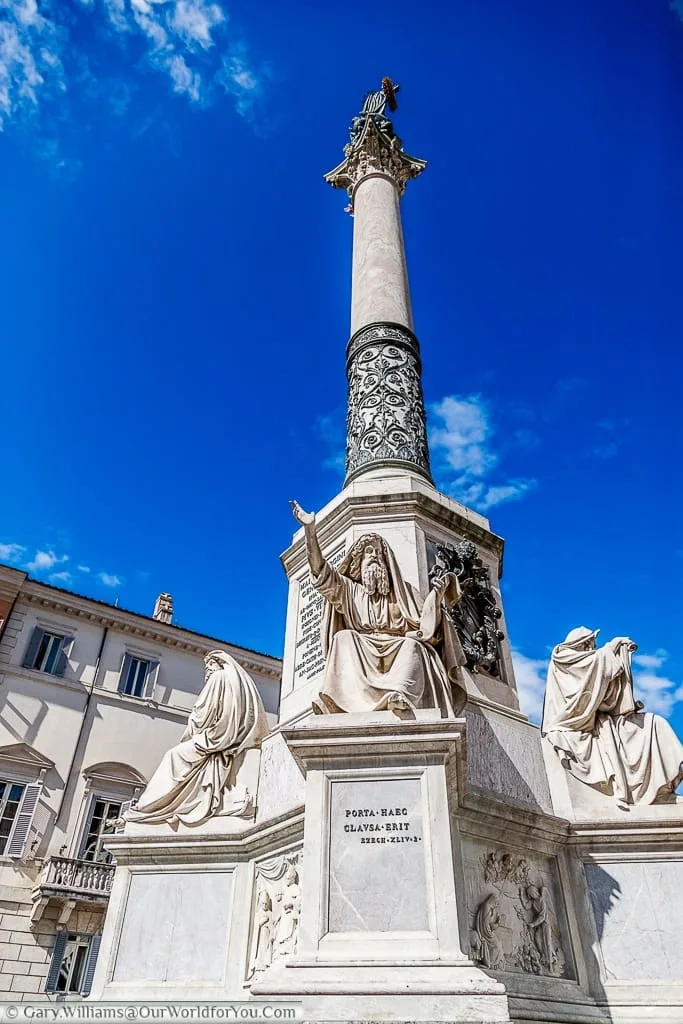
[597, 728]
[385, 647]
[196, 779]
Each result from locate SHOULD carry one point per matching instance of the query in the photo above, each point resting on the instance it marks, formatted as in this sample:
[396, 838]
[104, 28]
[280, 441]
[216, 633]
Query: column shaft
[379, 290]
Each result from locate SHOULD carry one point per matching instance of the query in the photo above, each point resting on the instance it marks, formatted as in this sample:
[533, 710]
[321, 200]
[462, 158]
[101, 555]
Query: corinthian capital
[374, 149]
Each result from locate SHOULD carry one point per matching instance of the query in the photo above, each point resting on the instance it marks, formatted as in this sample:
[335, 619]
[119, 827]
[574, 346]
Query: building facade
[92, 697]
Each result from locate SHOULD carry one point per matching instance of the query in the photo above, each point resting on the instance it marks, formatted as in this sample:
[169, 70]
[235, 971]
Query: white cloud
[194, 21]
[530, 675]
[461, 442]
[11, 552]
[44, 560]
[109, 579]
[184, 80]
[60, 577]
[42, 57]
[83, 568]
[651, 661]
[332, 432]
[658, 692]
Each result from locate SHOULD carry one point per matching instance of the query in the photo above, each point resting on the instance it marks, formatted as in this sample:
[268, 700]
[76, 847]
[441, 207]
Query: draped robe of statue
[590, 718]
[195, 779]
[369, 657]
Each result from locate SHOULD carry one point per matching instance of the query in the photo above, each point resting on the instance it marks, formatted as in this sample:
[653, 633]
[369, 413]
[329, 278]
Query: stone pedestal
[381, 914]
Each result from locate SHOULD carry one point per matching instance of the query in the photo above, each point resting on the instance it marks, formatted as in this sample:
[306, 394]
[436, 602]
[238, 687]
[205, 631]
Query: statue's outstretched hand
[305, 518]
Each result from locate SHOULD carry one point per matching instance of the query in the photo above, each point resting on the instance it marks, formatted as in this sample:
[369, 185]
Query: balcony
[70, 882]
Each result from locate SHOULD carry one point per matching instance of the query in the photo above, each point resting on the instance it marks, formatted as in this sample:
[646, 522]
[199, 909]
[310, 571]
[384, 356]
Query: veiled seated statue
[385, 647]
[196, 779]
[597, 728]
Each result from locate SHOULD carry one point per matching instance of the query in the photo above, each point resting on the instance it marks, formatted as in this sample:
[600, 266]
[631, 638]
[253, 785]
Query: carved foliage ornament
[275, 913]
[514, 925]
[374, 149]
[476, 614]
[386, 416]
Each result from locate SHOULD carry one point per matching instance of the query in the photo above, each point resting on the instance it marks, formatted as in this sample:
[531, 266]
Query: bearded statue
[385, 647]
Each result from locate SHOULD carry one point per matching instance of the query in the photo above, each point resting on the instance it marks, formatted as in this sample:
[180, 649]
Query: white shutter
[125, 806]
[150, 680]
[22, 822]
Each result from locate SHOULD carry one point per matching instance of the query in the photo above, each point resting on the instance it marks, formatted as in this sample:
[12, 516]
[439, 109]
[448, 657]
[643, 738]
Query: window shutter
[33, 645]
[125, 806]
[90, 964]
[58, 950]
[125, 666]
[63, 657]
[22, 822]
[150, 680]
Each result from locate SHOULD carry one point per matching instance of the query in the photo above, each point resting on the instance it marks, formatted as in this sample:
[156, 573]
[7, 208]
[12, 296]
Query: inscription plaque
[377, 857]
[308, 658]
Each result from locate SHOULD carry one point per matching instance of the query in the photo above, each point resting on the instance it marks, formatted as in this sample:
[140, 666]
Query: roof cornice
[134, 624]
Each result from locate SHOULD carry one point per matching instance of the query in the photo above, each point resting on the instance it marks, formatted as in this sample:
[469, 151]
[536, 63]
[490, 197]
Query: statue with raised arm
[196, 779]
[598, 729]
[385, 647]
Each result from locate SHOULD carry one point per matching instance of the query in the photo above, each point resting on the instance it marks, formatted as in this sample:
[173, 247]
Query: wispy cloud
[45, 60]
[530, 675]
[47, 565]
[60, 577]
[11, 553]
[461, 440]
[331, 431]
[43, 561]
[657, 691]
[109, 579]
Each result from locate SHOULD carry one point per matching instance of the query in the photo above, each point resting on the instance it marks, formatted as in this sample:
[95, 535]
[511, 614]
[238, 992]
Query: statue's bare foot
[397, 702]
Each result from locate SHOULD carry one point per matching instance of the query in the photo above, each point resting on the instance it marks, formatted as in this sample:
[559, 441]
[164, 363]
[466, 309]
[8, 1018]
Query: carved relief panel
[516, 914]
[275, 911]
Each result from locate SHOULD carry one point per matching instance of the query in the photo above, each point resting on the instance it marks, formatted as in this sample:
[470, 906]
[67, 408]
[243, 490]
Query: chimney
[163, 608]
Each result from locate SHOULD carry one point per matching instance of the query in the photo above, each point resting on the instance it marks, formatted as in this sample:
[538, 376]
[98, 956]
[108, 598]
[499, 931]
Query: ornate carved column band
[386, 422]
[386, 416]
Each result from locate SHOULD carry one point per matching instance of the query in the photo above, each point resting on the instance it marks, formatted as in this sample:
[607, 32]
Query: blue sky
[175, 295]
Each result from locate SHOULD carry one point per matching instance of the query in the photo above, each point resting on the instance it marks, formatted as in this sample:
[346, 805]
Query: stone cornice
[161, 846]
[42, 595]
[354, 508]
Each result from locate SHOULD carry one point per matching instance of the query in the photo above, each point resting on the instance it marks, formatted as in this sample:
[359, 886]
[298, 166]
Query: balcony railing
[74, 878]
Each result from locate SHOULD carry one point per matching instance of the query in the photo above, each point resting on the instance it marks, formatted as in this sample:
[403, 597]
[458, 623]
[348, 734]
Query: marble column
[386, 416]
[379, 289]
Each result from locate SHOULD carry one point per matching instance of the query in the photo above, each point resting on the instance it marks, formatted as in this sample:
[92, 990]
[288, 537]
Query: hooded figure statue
[195, 779]
[385, 647]
[597, 728]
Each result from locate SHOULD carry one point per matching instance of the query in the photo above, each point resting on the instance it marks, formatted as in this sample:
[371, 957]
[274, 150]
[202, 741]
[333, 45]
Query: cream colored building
[91, 698]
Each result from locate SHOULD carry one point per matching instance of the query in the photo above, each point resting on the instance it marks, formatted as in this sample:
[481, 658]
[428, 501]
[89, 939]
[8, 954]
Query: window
[105, 814]
[10, 798]
[48, 651]
[137, 676]
[73, 963]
